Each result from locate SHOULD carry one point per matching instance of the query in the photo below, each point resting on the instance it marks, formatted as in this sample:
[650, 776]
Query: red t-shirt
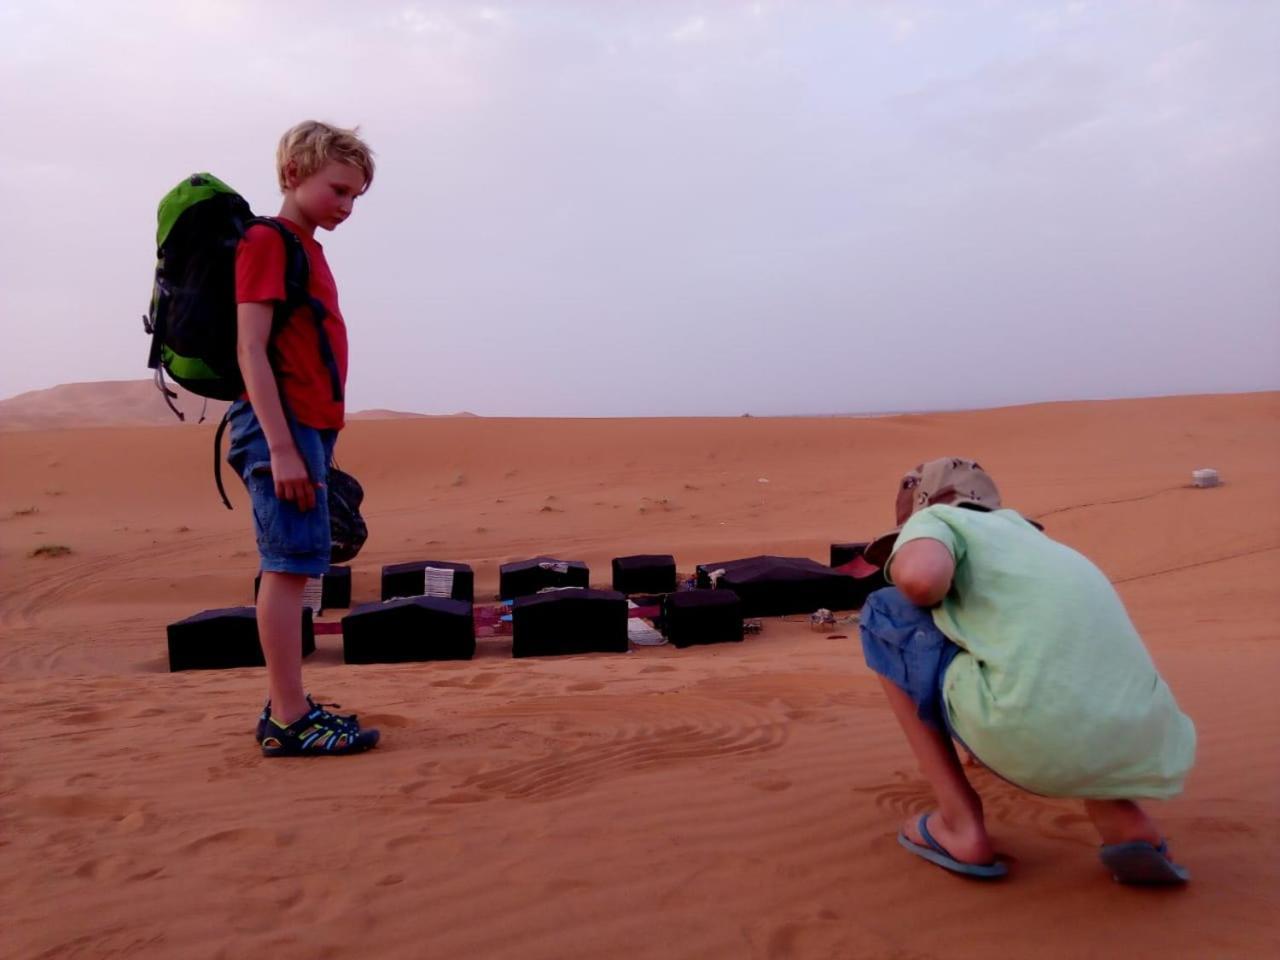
[305, 384]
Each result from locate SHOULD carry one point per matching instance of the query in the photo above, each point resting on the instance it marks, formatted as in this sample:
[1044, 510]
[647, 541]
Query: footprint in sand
[459, 797]
[137, 822]
[478, 682]
[79, 718]
[772, 784]
[114, 869]
[405, 840]
[98, 869]
[240, 836]
[87, 805]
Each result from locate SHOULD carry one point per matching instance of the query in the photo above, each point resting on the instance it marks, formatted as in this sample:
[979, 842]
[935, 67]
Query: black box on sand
[569, 621]
[645, 573]
[409, 628]
[771, 586]
[525, 577]
[335, 588]
[221, 639]
[410, 579]
[702, 616]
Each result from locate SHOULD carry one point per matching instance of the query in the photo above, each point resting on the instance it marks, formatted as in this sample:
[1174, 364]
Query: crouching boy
[1019, 648]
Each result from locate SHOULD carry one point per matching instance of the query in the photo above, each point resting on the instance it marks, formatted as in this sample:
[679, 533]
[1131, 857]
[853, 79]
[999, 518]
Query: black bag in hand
[346, 526]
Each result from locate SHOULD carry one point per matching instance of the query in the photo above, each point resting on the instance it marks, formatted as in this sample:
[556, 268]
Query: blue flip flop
[1142, 863]
[936, 853]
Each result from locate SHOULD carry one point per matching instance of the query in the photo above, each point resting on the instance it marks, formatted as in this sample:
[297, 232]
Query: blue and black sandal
[317, 733]
[1143, 864]
[264, 719]
[264, 723]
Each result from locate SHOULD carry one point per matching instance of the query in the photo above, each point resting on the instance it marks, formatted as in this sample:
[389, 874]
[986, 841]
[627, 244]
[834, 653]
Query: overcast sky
[652, 208]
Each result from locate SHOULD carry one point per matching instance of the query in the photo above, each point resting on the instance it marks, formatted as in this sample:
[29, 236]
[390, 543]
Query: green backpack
[192, 319]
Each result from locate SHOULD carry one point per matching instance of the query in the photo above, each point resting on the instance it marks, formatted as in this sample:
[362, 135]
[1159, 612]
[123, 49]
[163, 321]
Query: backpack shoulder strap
[297, 288]
[297, 268]
[217, 457]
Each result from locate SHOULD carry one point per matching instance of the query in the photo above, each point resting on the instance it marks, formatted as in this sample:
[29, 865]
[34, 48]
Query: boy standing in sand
[1018, 647]
[283, 432]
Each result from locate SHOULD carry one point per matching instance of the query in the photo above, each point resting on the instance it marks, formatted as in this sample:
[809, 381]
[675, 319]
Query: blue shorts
[901, 643]
[289, 540]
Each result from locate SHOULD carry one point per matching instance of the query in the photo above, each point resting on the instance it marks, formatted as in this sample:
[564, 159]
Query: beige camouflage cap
[949, 480]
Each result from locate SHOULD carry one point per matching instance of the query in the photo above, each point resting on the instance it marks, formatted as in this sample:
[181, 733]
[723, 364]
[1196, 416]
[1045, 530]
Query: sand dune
[126, 403]
[120, 403]
[716, 802]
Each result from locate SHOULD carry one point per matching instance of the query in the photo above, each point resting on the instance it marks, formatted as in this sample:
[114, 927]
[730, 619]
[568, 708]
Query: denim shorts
[901, 643]
[289, 540]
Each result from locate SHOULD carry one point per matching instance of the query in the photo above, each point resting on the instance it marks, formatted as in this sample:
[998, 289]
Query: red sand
[715, 802]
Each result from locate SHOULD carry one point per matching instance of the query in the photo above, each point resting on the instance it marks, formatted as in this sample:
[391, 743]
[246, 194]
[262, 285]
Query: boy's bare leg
[280, 632]
[958, 823]
[1121, 821]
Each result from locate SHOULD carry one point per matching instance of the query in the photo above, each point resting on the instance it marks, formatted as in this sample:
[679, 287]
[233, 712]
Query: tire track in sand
[598, 738]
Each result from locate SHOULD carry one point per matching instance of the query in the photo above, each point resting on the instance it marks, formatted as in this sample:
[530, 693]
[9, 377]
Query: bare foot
[1119, 821]
[969, 844]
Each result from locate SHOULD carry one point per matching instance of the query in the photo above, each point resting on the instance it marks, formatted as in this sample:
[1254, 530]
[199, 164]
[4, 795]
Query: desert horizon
[728, 800]
[139, 402]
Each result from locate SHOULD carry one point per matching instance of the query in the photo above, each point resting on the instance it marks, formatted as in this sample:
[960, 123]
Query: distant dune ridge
[127, 403]
[107, 403]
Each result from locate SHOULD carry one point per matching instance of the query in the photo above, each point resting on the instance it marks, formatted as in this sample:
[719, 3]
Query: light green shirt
[1053, 688]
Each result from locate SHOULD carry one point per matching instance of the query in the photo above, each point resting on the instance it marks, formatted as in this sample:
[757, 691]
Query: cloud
[415, 20]
[689, 30]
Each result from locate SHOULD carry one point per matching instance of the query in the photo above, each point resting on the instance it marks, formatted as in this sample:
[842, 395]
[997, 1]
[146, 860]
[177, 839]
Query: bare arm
[922, 570]
[253, 330]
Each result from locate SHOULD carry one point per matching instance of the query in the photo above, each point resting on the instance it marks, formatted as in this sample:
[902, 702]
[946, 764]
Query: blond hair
[312, 144]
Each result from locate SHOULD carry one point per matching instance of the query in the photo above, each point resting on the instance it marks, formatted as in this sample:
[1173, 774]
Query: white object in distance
[1205, 477]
